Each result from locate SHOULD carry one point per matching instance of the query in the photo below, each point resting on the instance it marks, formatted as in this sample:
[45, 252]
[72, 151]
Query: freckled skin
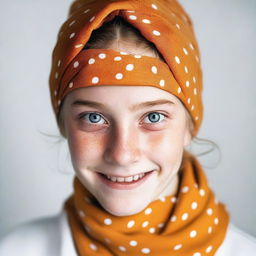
[126, 143]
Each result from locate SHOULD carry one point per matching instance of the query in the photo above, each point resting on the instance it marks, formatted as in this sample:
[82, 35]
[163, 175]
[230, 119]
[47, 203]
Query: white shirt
[51, 236]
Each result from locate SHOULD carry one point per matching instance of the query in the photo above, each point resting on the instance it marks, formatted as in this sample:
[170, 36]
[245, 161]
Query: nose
[123, 147]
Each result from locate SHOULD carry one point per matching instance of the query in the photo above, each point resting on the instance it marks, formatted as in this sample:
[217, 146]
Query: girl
[126, 86]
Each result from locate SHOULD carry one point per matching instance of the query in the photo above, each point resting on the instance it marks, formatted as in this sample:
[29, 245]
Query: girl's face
[114, 130]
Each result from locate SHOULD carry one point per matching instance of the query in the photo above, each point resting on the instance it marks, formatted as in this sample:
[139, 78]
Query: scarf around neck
[190, 222]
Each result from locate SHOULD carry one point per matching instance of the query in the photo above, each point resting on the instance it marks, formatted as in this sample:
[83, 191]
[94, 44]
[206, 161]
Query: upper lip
[120, 175]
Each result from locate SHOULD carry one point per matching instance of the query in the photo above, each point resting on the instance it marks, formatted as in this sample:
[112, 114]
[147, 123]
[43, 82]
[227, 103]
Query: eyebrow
[132, 108]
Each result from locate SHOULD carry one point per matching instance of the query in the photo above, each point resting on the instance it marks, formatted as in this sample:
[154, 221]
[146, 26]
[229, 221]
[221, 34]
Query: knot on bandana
[190, 222]
[161, 22]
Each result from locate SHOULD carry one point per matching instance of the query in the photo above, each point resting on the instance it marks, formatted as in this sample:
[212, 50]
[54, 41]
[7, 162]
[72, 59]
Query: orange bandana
[163, 22]
[191, 222]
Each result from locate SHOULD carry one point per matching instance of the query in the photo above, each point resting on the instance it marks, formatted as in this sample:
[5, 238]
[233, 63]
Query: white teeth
[127, 179]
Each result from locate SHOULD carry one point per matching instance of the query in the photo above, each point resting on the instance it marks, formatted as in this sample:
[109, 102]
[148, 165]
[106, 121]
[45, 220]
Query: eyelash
[82, 115]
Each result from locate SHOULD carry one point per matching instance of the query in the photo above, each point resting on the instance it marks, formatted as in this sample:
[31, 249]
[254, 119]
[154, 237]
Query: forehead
[129, 94]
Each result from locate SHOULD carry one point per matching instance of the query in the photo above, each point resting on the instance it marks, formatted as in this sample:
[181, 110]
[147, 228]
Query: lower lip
[124, 185]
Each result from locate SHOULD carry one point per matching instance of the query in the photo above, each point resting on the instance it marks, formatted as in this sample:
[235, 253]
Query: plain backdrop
[35, 171]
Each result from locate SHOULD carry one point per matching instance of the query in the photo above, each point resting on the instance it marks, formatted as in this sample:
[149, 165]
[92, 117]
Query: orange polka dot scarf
[162, 22]
[191, 222]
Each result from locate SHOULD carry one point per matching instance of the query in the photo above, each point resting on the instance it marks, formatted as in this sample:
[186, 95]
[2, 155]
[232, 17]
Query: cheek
[84, 147]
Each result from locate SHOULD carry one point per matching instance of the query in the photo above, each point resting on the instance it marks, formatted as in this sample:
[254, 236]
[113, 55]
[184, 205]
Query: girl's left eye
[155, 116]
[94, 117]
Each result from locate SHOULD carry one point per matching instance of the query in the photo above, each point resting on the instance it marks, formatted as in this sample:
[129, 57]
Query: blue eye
[155, 117]
[92, 117]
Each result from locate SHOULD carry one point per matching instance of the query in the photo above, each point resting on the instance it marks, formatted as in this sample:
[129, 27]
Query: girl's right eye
[91, 118]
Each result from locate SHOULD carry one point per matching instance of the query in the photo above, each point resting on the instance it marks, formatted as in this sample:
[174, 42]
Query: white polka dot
[148, 211]
[119, 76]
[124, 53]
[187, 83]
[186, 69]
[95, 80]
[130, 11]
[177, 26]
[192, 108]
[55, 92]
[194, 205]
[154, 6]
[81, 213]
[56, 75]
[76, 64]
[72, 23]
[156, 33]
[145, 223]
[91, 61]
[79, 45]
[185, 189]
[59, 102]
[133, 17]
[191, 46]
[160, 225]
[122, 248]
[92, 18]
[102, 55]
[130, 223]
[137, 56]
[185, 51]
[189, 100]
[154, 69]
[145, 250]
[86, 10]
[117, 58]
[184, 216]
[133, 243]
[173, 199]
[146, 21]
[192, 233]
[209, 211]
[196, 185]
[195, 91]
[152, 230]
[177, 59]
[72, 35]
[93, 247]
[194, 79]
[70, 84]
[201, 192]
[173, 218]
[179, 90]
[216, 221]
[129, 67]
[162, 83]
[59, 62]
[197, 254]
[196, 118]
[177, 247]
[208, 249]
[210, 230]
[108, 221]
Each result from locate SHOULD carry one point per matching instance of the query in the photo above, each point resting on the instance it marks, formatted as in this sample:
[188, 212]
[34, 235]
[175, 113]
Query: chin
[123, 207]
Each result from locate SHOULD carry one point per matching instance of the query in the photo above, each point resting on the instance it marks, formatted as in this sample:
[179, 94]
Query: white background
[36, 177]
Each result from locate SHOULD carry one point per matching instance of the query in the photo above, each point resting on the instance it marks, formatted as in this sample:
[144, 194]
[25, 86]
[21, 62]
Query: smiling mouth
[127, 179]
